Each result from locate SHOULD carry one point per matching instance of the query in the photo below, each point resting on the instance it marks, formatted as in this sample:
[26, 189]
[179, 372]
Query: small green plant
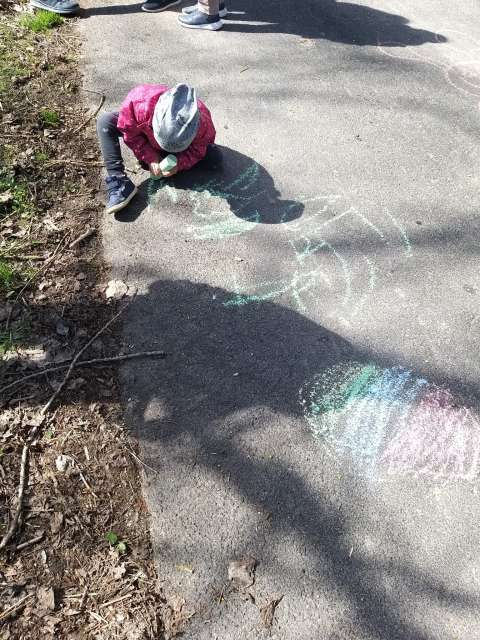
[16, 335]
[114, 541]
[41, 157]
[14, 197]
[12, 278]
[41, 21]
[50, 118]
[7, 277]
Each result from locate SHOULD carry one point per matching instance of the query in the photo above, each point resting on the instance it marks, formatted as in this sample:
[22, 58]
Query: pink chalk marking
[437, 439]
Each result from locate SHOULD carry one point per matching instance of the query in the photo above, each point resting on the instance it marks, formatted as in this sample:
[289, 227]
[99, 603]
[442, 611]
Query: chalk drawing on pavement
[460, 67]
[321, 253]
[224, 208]
[333, 246]
[390, 422]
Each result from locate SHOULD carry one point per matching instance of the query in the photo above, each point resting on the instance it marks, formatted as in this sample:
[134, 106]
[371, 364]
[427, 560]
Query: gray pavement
[316, 287]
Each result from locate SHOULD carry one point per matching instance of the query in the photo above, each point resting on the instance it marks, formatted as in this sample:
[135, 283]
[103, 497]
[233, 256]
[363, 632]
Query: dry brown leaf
[46, 598]
[267, 612]
[242, 572]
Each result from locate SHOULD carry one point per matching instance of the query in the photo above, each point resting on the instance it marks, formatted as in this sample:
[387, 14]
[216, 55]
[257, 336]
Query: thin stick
[21, 490]
[86, 234]
[85, 363]
[107, 604]
[97, 617]
[82, 477]
[81, 606]
[76, 358]
[76, 163]
[144, 464]
[34, 277]
[14, 607]
[24, 545]
[92, 115]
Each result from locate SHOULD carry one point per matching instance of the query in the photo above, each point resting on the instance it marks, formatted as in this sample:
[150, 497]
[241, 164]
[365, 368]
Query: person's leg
[204, 16]
[154, 6]
[210, 7]
[120, 189]
[63, 7]
[109, 137]
[223, 11]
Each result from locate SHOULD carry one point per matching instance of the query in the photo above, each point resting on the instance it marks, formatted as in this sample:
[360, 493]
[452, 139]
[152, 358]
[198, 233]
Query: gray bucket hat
[176, 118]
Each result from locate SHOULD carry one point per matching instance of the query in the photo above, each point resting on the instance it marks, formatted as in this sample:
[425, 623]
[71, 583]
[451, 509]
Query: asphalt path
[316, 286]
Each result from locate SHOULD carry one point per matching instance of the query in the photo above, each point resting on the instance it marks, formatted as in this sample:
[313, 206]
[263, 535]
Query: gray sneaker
[222, 13]
[63, 7]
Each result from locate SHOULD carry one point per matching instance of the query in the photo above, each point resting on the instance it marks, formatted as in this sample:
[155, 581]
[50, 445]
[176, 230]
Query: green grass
[50, 118]
[15, 61]
[41, 21]
[41, 157]
[14, 197]
[15, 336]
[7, 277]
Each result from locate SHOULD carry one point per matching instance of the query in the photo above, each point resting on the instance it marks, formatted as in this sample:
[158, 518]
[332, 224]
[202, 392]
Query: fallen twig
[135, 457]
[28, 543]
[107, 604]
[92, 115]
[14, 607]
[86, 234]
[85, 363]
[21, 490]
[76, 163]
[73, 364]
[83, 600]
[46, 264]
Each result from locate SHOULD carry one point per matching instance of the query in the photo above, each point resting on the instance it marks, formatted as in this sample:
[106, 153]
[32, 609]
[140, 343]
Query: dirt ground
[75, 555]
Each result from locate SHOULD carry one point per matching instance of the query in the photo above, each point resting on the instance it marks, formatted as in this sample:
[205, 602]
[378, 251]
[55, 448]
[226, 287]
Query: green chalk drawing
[217, 225]
[302, 284]
[222, 210]
[401, 230]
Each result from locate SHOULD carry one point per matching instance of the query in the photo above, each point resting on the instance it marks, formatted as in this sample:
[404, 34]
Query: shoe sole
[39, 5]
[122, 205]
[171, 4]
[213, 26]
[223, 13]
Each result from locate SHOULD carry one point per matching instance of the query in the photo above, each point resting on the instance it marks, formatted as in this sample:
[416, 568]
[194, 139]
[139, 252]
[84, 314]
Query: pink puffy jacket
[135, 124]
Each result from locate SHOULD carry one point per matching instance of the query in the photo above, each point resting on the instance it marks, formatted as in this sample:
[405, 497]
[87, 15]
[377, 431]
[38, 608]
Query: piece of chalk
[168, 163]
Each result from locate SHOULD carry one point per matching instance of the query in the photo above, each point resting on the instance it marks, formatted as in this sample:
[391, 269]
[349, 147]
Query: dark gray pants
[109, 137]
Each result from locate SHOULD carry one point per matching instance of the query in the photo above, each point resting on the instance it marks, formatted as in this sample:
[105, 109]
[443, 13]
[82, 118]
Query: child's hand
[168, 174]
[155, 169]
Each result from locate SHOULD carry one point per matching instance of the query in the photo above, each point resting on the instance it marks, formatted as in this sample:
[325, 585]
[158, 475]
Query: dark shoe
[63, 7]
[223, 13]
[199, 20]
[153, 6]
[120, 190]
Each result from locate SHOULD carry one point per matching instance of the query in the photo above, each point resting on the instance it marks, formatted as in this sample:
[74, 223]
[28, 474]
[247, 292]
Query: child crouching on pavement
[168, 130]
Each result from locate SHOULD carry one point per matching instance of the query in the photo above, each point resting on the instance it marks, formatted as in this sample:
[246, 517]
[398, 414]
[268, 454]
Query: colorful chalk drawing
[315, 259]
[390, 422]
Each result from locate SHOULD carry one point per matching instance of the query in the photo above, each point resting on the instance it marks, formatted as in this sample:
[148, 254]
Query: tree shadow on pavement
[221, 422]
[343, 22]
[228, 175]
